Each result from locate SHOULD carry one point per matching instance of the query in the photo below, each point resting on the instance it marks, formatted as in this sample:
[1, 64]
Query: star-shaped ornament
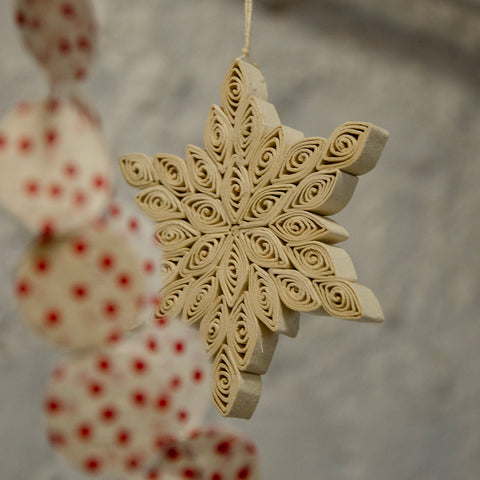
[246, 240]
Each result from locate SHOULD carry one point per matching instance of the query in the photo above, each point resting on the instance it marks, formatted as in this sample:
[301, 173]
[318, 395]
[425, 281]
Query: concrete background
[342, 401]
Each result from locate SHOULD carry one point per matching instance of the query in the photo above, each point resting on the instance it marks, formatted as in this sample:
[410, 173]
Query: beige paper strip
[159, 203]
[170, 265]
[354, 147]
[234, 393]
[255, 241]
[323, 193]
[349, 301]
[173, 297]
[137, 169]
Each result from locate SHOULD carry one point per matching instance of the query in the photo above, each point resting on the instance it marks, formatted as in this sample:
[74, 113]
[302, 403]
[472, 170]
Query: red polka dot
[84, 432]
[182, 415]
[179, 347]
[79, 247]
[83, 43]
[139, 398]
[51, 137]
[25, 144]
[189, 473]
[32, 188]
[55, 190]
[197, 375]
[59, 373]
[20, 18]
[104, 364]
[47, 229]
[107, 261]
[35, 23]
[133, 224]
[96, 389]
[115, 210]
[53, 406]
[67, 9]
[153, 475]
[124, 280]
[110, 309]
[42, 265]
[139, 365]
[175, 383]
[108, 414]
[244, 472]
[163, 402]
[216, 476]
[251, 448]
[173, 453]
[23, 288]
[79, 198]
[70, 170]
[56, 439]
[114, 336]
[132, 463]
[3, 141]
[79, 291]
[92, 465]
[64, 46]
[151, 344]
[99, 182]
[149, 266]
[161, 321]
[80, 73]
[24, 107]
[53, 318]
[223, 448]
[123, 437]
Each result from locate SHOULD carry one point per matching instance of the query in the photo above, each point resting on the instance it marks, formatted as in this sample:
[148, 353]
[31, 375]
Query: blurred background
[342, 401]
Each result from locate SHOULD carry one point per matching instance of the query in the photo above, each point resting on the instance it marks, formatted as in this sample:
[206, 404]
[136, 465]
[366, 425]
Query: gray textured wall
[342, 401]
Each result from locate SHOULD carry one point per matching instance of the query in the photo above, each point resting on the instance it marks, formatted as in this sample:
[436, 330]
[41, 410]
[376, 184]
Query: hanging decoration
[243, 226]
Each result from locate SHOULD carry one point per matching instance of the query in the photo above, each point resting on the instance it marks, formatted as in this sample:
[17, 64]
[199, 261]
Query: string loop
[248, 27]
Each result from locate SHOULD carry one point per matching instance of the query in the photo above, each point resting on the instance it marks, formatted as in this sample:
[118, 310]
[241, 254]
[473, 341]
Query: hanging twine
[248, 27]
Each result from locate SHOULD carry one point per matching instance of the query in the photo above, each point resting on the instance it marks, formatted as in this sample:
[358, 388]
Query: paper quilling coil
[296, 290]
[354, 147]
[170, 265]
[236, 189]
[266, 305]
[232, 272]
[300, 226]
[267, 160]
[159, 203]
[203, 172]
[204, 255]
[173, 297]
[255, 119]
[199, 297]
[234, 393]
[318, 260]
[172, 172]
[213, 326]
[241, 81]
[301, 160]
[174, 234]
[263, 248]
[138, 171]
[349, 301]
[266, 203]
[218, 137]
[205, 214]
[323, 193]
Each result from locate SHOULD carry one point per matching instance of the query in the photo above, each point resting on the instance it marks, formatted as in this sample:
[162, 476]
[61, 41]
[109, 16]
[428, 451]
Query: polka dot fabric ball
[60, 34]
[110, 412]
[56, 171]
[209, 454]
[86, 290]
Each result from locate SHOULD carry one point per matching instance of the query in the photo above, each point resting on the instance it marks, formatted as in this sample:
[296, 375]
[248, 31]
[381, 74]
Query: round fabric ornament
[60, 34]
[56, 170]
[209, 454]
[87, 289]
[109, 412]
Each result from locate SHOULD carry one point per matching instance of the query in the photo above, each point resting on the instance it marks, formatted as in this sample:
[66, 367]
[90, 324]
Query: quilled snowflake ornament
[244, 230]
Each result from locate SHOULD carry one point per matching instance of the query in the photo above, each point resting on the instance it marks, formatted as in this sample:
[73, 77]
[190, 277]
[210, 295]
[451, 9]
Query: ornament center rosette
[243, 226]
